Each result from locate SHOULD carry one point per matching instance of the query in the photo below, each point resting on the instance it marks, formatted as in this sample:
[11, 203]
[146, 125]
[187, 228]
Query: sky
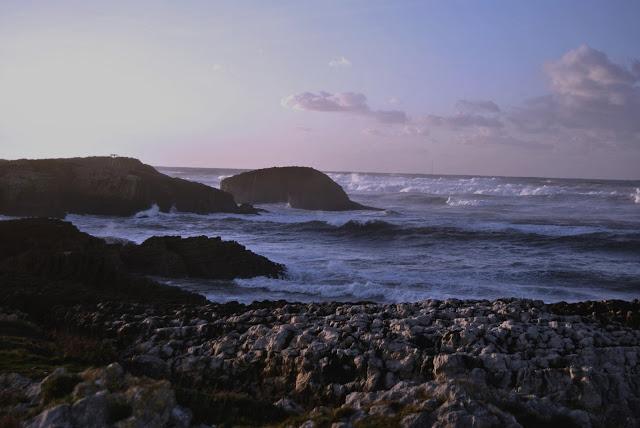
[544, 88]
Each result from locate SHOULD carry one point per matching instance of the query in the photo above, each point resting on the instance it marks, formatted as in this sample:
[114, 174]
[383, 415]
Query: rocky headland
[301, 187]
[115, 186]
[45, 262]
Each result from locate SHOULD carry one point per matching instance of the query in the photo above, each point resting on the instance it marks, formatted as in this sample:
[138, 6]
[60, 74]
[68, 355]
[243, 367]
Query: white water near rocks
[438, 237]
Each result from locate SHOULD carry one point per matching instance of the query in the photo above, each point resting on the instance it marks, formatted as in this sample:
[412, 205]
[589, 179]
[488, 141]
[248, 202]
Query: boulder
[300, 187]
[101, 186]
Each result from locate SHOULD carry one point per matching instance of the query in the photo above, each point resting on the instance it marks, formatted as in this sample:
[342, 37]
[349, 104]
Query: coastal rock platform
[453, 363]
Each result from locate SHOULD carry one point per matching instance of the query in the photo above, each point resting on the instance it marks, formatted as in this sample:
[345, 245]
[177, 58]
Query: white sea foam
[452, 185]
[636, 196]
[154, 211]
[459, 202]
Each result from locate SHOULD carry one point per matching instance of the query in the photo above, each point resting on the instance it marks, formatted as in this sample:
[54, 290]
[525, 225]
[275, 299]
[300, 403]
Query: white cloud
[593, 103]
[217, 67]
[339, 61]
[592, 100]
[344, 102]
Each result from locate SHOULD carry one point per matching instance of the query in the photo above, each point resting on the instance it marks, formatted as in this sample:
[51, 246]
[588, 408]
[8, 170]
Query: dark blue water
[439, 237]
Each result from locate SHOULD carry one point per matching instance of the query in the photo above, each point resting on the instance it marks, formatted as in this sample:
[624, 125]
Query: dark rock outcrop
[200, 257]
[300, 187]
[101, 186]
[46, 261]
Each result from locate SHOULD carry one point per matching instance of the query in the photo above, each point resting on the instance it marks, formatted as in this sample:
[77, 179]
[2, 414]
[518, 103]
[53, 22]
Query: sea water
[438, 236]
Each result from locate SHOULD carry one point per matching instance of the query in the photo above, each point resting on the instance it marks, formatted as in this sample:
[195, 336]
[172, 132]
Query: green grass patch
[34, 353]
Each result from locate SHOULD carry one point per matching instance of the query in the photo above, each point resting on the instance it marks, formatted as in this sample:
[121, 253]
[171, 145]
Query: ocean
[439, 236]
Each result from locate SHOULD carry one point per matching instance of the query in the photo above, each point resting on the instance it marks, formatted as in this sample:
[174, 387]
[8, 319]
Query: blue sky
[339, 85]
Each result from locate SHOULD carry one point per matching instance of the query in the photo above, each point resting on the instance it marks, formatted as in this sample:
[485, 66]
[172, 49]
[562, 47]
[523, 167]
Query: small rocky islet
[88, 337]
[300, 187]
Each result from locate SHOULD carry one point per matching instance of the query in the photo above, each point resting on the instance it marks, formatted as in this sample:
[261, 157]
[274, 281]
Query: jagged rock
[47, 261]
[199, 257]
[300, 187]
[502, 363]
[477, 363]
[130, 402]
[102, 186]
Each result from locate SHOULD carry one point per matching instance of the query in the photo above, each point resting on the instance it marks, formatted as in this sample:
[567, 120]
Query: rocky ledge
[301, 187]
[46, 262]
[103, 186]
[454, 363]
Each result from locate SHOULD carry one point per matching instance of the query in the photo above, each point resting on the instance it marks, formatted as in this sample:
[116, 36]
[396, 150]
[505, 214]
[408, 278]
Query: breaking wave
[531, 235]
[462, 185]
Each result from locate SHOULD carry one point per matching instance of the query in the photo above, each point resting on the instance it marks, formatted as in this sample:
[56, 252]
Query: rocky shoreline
[455, 363]
[87, 340]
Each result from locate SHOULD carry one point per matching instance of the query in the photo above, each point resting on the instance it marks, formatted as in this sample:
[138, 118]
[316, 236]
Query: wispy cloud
[339, 61]
[478, 106]
[461, 121]
[342, 102]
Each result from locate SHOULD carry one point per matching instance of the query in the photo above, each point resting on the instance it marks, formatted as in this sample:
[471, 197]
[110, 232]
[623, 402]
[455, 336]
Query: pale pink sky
[470, 87]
